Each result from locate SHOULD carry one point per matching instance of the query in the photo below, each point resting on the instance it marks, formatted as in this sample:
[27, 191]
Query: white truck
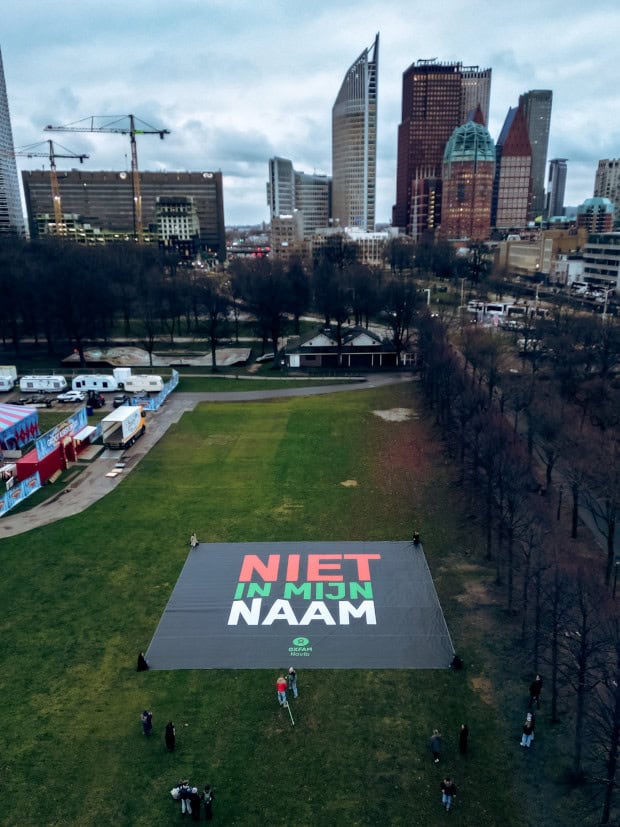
[143, 383]
[8, 377]
[123, 427]
[94, 382]
[42, 384]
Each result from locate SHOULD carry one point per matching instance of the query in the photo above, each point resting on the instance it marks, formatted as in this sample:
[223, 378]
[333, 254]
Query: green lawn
[80, 598]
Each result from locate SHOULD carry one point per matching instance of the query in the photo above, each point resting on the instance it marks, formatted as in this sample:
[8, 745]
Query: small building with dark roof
[359, 349]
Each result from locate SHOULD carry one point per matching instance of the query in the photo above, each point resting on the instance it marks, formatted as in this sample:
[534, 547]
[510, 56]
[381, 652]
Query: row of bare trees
[55, 291]
[498, 431]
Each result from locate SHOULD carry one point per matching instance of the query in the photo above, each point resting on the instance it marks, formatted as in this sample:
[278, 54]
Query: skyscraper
[467, 176]
[536, 105]
[290, 191]
[437, 97]
[354, 143]
[607, 181]
[11, 215]
[281, 187]
[512, 188]
[554, 203]
[476, 86]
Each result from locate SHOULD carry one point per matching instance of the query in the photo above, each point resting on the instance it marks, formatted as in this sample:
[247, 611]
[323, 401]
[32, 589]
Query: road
[92, 484]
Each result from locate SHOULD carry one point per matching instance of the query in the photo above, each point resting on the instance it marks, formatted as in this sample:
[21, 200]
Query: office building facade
[354, 143]
[536, 105]
[556, 187]
[11, 214]
[512, 187]
[290, 192]
[105, 200]
[607, 182]
[596, 215]
[436, 99]
[467, 176]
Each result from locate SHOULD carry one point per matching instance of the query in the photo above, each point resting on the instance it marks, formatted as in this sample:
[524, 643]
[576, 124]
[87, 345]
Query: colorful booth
[19, 425]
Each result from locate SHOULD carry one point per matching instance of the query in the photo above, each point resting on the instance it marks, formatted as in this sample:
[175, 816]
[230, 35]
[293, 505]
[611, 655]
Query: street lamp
[427, 290]
[616, 566]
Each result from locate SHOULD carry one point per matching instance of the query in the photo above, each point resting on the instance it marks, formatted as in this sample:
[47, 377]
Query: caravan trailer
[102, 382]
[42, 384]
[143, 383]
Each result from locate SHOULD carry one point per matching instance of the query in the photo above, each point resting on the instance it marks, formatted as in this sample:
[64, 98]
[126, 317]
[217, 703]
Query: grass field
[81, 597]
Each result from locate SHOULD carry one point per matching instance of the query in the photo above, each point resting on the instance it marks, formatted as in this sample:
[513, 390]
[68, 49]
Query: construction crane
[31, 152]
[117, 124]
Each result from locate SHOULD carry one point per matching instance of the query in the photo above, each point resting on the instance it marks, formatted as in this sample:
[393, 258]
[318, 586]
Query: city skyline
[201, 69]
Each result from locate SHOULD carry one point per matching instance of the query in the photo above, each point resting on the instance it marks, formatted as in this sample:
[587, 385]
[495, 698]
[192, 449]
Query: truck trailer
[122, 427]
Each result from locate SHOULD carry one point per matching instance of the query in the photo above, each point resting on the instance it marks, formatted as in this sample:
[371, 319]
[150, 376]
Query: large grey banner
[317, 605]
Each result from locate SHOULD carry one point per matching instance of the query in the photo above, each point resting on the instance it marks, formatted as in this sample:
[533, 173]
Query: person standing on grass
[281, 685]
[193, 540]
[147, 721]
[528, 731]
[448, 792]
[535, 690]
[292, 681]
[142, 663]
[207, 800]
[170, 737]
[463, 736]
[435, 744]
[194, 801]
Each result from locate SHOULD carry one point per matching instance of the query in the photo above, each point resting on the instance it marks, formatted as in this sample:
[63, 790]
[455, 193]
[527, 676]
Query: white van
[94, 382]
[43, 383]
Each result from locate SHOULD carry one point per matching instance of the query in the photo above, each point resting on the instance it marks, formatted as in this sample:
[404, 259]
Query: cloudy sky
[237, 82]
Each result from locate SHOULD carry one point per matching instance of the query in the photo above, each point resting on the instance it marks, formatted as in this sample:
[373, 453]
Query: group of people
[192, 801]
[527, 731]
[447, 786]
[283, 683]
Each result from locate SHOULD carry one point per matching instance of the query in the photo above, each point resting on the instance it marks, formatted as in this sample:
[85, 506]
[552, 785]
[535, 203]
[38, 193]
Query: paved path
[92, 483]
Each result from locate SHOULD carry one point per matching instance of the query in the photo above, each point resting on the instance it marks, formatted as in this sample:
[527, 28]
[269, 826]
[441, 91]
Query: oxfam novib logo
[300, 648]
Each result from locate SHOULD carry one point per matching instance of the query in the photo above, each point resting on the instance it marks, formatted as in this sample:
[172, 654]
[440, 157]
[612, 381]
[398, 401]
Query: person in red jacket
[281, 685]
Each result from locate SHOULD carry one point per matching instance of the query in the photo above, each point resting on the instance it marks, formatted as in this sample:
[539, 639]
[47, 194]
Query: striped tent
[18, 426]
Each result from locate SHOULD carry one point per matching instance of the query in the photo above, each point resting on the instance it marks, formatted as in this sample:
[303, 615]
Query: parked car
[121, 399]
[71, 396]
[95, 400]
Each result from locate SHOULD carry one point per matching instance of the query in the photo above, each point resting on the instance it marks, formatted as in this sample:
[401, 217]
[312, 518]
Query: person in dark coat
[448, 792]
[142, 663]
[207, 800]
[528, 731]
[535, 690]
[194, 800]
[147, 721]
[463, 736]
[170, 737]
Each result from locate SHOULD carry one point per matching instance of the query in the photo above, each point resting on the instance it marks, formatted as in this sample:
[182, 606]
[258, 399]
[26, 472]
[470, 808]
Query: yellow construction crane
[118, 125]
[31, 152]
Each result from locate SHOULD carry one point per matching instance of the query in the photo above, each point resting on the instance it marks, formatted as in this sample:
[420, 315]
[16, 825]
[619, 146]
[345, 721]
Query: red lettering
[363, 567]
[316, 567]
[292, 568]
[267, 571]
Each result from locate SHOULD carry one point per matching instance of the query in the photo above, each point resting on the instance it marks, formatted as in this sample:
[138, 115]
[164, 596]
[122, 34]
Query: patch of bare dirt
[397, 414]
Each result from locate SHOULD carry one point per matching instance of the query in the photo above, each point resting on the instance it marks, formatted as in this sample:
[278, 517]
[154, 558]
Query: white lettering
[367, 607]
[281, 610]
[240, 610]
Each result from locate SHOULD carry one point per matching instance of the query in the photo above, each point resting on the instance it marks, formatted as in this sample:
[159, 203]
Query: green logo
[301, 641]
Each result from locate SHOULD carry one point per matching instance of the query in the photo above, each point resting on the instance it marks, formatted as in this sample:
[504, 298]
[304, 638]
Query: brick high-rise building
[354, 143]
[468, 172]
[512, 186]
[11, 214]
[536, 105]
[437, 97]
